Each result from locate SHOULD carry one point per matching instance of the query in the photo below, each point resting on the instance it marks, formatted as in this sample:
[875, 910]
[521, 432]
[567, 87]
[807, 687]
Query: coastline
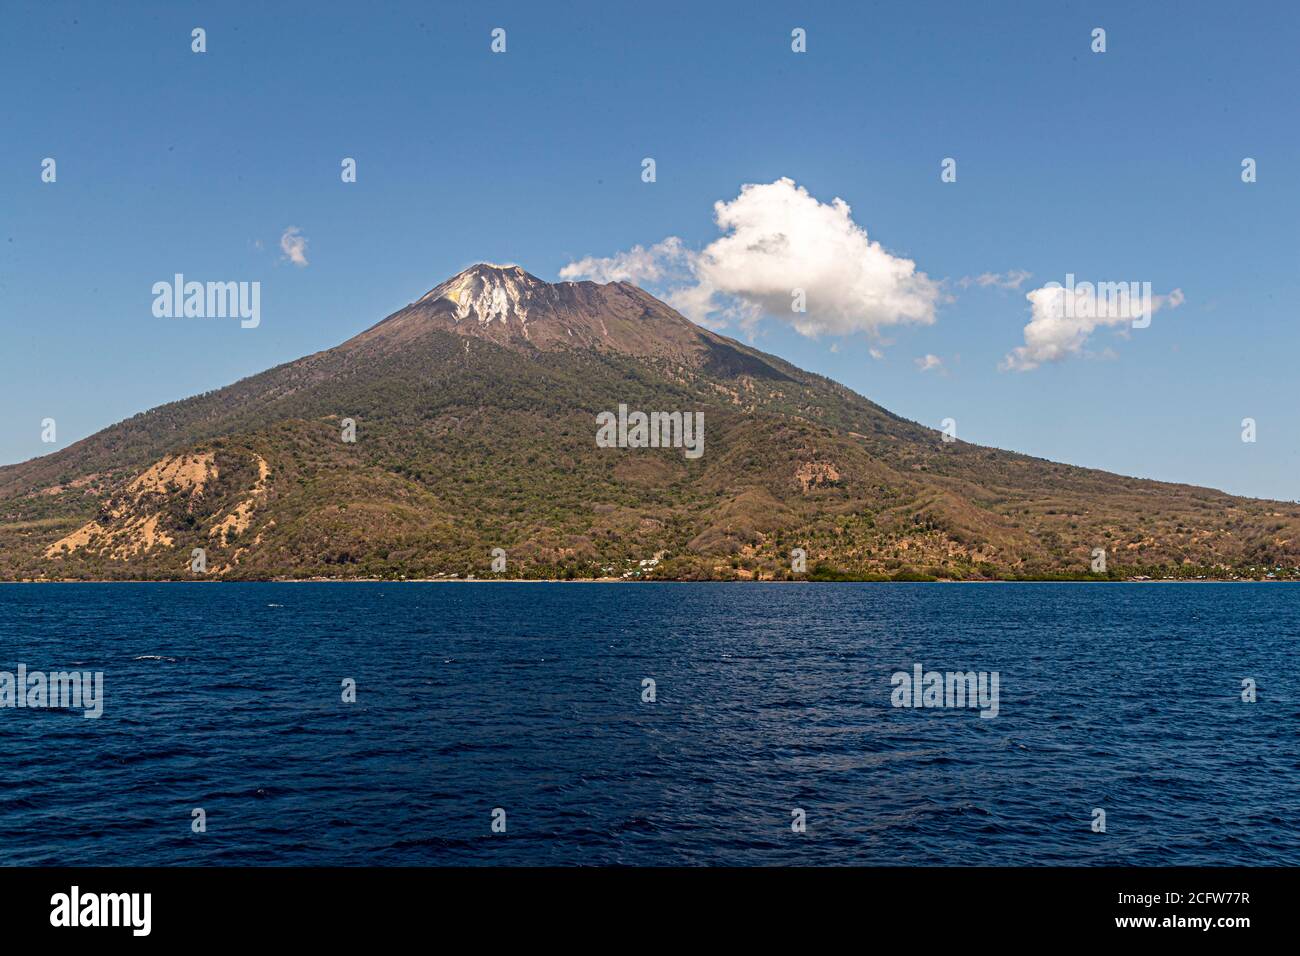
[737, 581]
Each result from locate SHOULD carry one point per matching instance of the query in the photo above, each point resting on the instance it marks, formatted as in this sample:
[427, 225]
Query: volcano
[457, 438]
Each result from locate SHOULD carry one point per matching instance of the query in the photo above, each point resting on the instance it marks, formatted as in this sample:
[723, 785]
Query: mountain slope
[475, 418]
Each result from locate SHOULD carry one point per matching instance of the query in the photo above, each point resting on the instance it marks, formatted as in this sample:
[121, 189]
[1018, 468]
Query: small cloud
[1000, 280]
[1062, 318]
[875, 353]
[294, 246]
[929, 363]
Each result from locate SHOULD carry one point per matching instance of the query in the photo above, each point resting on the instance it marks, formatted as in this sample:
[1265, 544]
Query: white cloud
[875, 353]
[294, 246]
[928, 363]
[700, 304]
[1062, 319]
[637, 265]
[1011, 279]
[777, 238]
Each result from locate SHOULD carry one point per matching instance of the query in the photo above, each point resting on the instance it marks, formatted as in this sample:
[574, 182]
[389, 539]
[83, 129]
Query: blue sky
[1118, 166]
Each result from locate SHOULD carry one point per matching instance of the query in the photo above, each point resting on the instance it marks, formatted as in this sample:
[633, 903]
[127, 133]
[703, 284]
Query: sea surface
[769, 698]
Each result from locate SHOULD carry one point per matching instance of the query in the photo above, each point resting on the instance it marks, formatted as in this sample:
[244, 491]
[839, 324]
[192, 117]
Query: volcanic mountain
[466, 422]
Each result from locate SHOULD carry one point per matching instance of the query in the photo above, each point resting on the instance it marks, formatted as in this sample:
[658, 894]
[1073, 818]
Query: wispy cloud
[1012, 279]
[929, 363]
[637, 265]
[294, 246]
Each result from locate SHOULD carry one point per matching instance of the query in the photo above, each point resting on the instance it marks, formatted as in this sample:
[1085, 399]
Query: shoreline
[630, 581]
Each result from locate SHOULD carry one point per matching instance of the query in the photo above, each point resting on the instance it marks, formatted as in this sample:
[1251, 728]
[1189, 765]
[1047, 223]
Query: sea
[652, 724]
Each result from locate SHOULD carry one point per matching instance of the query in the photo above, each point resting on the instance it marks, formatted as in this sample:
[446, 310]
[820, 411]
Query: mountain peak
[499, 270]
[489, 292]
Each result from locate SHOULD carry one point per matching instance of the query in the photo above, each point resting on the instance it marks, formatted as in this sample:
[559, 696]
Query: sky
[774, 170]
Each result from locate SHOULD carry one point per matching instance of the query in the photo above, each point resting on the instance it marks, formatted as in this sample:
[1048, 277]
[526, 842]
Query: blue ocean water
[769, 697]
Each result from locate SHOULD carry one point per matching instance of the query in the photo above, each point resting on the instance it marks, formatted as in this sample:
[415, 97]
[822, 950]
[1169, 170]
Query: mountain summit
[490, 292]
[467, 422]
